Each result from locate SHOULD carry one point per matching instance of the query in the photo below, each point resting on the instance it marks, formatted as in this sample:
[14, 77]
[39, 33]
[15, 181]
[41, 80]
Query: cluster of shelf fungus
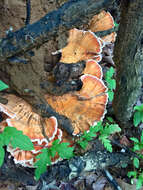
[84, 107]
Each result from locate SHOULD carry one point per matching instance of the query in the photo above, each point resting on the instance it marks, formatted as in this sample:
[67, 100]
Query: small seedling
[111, 83]
[44, 159]
[137, 174]
[102, 131]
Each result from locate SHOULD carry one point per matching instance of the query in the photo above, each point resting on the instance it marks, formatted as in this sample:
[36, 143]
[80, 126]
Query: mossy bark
[128, 57]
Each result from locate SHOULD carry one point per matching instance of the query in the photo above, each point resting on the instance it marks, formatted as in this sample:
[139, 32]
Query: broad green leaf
[56, 142]
[134, 139]
[109, 73]
[9, 133]
[65, 151]
[132, 174]
[21, 141]
[2, 139]
[2, 153]
[3, 86]
[139, 108]
[137, 118]
[136, 162]
[111, 84]
[52, 152]
[110, 95]
[41, 164]
[17, 139]
[136, 147]
[139, 183]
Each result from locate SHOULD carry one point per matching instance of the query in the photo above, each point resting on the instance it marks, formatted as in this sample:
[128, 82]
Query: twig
[28, 12]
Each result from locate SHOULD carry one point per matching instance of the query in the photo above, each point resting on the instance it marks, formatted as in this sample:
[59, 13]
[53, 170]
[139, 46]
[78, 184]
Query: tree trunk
[128, 57]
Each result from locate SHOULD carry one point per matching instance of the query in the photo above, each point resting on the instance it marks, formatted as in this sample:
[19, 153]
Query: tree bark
[128, 57]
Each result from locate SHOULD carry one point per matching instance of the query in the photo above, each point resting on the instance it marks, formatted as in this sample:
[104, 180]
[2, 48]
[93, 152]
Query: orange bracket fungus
[102, 21]
[82, 45]
[20, 115]
[84, 107]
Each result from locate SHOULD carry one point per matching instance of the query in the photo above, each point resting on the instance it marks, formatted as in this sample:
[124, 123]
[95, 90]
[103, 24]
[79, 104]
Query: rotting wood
[71, 14]
[94, 160]
[26, 79]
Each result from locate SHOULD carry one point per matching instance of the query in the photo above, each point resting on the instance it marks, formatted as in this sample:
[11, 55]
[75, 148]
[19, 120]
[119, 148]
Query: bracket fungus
[84, 107]
[19, 114]
[82, 45]
[101, 22]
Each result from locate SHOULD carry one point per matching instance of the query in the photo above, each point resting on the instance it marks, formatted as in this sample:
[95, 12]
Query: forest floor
[13, 13]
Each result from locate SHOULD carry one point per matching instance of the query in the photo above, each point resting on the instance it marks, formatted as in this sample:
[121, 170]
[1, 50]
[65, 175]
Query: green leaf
[9, 133]
[110, 119]
[98, 127]
[3, 86]
[111, 84]
[41, 164]
[1, 140]
[139, 183]
[141, 116]
[55, 142]
[137, 118]
[106, 142]
[111, 129]
[142, 137]
[52, 152]
[22, 141]
[116, 25]
[88, 135]
[110, 73]
[110, 95]
[17, 139]
[134, 139]
[132, 174]
[65, 151]
[136, 147]
[2, 153]
[83, 144]
[136, 162]
[139, 108]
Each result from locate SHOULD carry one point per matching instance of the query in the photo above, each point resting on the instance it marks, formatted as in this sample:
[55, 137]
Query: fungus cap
[24, 119]
[102, 21]
[82, 45]
[93, 68]
[83, 107]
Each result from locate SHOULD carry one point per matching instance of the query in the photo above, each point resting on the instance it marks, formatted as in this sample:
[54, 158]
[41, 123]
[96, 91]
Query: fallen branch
[78, 166]
[72, 14]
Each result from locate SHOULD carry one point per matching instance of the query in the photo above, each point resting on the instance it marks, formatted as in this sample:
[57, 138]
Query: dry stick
[28, 12]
